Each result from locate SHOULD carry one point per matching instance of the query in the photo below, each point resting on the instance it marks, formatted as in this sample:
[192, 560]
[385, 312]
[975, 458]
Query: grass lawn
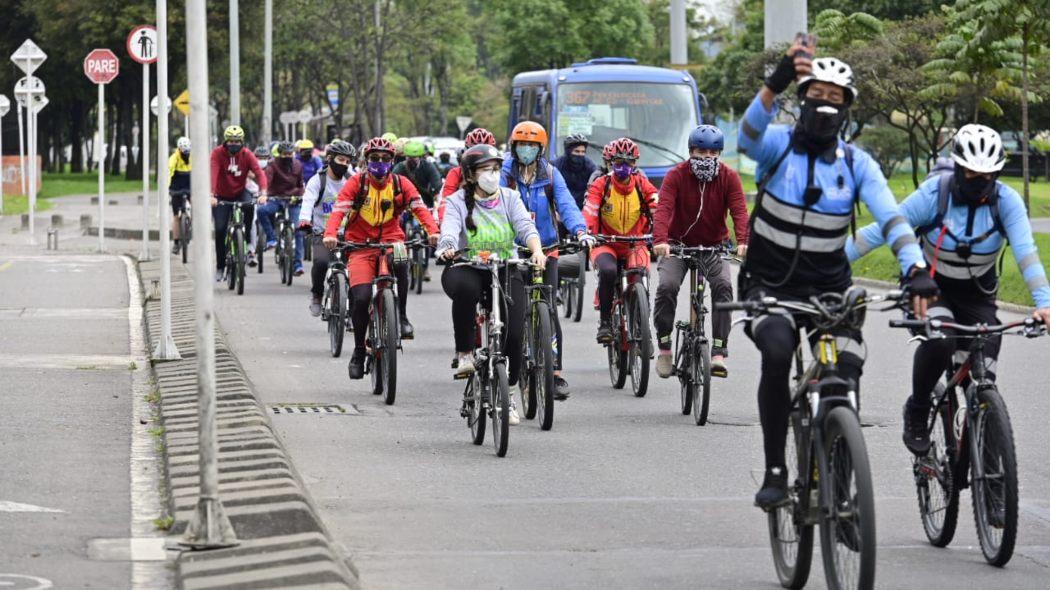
[60, 185]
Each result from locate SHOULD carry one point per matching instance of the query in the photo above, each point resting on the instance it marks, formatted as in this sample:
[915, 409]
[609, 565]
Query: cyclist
[454, 177]
[796, 242]
[444, 164]
[963, 219]
[305, 154]
[695, 197]
[318, 201]
[361, 202]
[179, 166]
[426, 178]
[485, 216]
[545, 195]
[230, 166]
[285, 179]
[575, 167]
[606, 167]
[620, 204]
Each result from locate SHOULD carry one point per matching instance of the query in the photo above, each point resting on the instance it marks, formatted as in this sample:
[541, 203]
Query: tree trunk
[913, 153]
[76, 159]
[1024, 113]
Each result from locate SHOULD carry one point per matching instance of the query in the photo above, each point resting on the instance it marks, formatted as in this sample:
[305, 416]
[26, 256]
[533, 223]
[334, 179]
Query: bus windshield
[658, 117]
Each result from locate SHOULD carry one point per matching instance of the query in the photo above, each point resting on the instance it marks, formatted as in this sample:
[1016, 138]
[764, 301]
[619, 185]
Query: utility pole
[267, 122]
[679, 52]
[235, 64]
[783, 20]
[166, 349]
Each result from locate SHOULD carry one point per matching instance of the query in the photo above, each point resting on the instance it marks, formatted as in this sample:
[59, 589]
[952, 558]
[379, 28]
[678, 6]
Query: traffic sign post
[463, 123]
[288, 118]
[154, 107]
[28, 57]
[166, 349]
[5, 106]
[101, 67]
[182, 102]
[142, 47]
[305, 116]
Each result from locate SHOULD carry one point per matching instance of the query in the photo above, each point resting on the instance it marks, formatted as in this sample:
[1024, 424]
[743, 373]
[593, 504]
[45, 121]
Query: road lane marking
[6, 265]
[63, 313]
[6, 506]
[84, 362]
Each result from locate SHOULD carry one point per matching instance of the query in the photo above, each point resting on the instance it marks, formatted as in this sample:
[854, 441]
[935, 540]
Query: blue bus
[611, 97]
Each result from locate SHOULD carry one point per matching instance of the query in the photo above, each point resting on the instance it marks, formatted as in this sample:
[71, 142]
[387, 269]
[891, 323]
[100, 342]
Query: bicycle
[335, 303]
[571, 286]
[974, 441]
[487, 392]
[538, 349]
[692, 350]
[284, 253]
[418, 261]
[236, 245]
[260, 244]
[631, 347]
[832, 486]
[185, 220]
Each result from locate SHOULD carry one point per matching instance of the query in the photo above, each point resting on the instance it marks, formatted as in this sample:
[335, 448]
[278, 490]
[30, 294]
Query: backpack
[323, 173]
[944, 189]
[362, 190]
[637, 190]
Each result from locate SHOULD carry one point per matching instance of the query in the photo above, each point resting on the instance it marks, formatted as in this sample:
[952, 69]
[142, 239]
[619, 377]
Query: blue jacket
[920, 208]
[576, 178]
[535, 197]
[823, 225]
[310, 166]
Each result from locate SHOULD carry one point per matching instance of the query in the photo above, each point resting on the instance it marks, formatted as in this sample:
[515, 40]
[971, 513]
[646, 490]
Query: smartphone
[807, 41]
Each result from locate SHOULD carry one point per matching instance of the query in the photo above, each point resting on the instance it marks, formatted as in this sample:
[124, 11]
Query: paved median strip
[283, 542]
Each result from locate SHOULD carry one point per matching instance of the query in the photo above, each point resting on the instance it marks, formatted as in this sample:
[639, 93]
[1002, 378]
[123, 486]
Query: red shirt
[452, 182]
[366, 222]
[681, 202]
[622, 213]
[229, 173]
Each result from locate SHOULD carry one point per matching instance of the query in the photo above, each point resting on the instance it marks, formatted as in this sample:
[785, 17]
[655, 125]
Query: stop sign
[101, 66]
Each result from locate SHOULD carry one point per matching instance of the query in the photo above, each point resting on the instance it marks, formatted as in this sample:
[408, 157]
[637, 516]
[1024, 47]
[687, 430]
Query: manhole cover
[314, 409]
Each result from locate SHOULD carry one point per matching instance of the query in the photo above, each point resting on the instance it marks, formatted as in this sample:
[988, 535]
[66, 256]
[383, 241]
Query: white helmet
[183, 144]
[979, 148]
[832, 71]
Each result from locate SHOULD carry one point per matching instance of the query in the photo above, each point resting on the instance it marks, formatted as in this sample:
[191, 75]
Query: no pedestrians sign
[142, 44]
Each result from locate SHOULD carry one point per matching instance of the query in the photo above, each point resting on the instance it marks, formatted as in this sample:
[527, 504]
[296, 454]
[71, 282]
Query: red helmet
[607, 151]
[479, 136]
[378, 144]
[624, 148]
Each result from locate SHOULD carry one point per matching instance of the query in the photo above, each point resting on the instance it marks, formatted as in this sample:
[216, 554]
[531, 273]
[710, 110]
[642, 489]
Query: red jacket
[365, 222]
[681, 203]
[285, 183]
[620, 214]
[452, 182]
[229, 174]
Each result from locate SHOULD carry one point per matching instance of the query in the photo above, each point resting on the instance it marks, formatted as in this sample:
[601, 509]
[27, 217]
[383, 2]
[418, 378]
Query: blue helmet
[707, 137]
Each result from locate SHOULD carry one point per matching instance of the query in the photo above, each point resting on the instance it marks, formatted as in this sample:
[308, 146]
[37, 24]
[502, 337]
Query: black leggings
[607, 267]
[319, 267]
[361, 297]
[466, 286]
[221, 215]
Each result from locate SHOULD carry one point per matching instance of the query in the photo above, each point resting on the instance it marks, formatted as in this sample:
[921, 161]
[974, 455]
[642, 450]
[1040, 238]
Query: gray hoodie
[497, 228]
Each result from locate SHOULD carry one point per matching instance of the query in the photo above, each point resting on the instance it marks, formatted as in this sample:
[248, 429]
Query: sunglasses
[622, 161]
[380, 158]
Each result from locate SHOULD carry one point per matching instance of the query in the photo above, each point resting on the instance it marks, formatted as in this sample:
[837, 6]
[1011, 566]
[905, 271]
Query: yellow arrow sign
[182, 102]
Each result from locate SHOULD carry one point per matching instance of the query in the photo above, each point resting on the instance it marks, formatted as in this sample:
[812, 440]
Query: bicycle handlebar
[235, 203]
[608, 239]
[934, 328]
[829, 311]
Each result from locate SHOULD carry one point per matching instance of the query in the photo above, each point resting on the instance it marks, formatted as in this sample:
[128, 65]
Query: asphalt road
[623, 492]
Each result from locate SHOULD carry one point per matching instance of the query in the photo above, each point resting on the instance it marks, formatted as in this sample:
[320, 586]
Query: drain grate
[313, 409]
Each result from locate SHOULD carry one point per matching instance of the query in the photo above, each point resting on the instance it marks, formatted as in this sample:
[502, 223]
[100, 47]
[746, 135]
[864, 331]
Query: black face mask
[339, 170]
[820, 122]
[285, 162]
[971, 191]
[576, 161]
[233, 148]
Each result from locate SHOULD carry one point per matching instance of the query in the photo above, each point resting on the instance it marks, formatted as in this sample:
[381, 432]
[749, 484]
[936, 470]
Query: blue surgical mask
[527, 153]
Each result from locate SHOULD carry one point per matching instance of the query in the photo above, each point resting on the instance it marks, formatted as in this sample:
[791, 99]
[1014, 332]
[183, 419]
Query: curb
[283, 542]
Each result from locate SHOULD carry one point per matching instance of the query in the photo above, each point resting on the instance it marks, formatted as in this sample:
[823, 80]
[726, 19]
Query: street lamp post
[166, 349]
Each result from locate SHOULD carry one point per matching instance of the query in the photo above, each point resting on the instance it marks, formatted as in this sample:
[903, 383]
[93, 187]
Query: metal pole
[144, 156]
[235, 64]
[31, 141]
[21, 149]
[100, 153]
[783, 20]
[209, 527]
[2, 164]
[267, 122]
[679, 53]
[166, 349]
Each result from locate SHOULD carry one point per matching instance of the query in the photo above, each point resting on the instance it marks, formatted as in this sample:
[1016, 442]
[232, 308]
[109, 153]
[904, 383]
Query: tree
[882, 9]
[836, 31]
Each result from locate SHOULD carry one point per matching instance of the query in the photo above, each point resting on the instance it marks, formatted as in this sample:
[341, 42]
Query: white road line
[63, 313]
[64, 361]
[6, 506]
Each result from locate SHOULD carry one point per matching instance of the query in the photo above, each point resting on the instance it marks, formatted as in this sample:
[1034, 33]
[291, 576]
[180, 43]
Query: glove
[305, 226]
[921, 284]
[587, 240]
[783, 75]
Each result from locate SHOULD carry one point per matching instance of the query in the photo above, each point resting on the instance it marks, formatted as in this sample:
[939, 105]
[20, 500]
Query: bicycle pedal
[458, 377]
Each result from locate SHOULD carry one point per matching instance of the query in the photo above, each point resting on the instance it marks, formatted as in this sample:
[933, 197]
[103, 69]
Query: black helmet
[262, 152]
[285, 147]
[340, 148]
[477, 155]
[573, 140]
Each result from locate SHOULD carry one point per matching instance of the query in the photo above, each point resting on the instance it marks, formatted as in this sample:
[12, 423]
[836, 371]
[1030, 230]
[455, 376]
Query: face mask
[286, 162]
[527, 153]
[185, 153]
[705, 168]
[379, 169]
[622, 171]
[576, 161]
[264, 163]
[488, 182]
[821, 121]
[305, 155]
[233, 148]
[971, 191]
[412, 163]
[338, 169]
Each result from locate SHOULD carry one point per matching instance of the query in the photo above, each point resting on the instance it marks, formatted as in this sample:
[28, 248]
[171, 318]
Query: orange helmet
[529, 131]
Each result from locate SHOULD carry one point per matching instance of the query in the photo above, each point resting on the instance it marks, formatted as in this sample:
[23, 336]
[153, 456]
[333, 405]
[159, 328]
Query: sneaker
[465, 365]
[605, 335]
[426, 276]
[298, 270]
[270, 245]
[915, 435]
[718, 367]
[561, 388]
[774, 489]
[220, 275]
[407, 331]
[356, 368]
[176, 247]
[252, 260]
[664, 364]
[513, 418]
[315, 306]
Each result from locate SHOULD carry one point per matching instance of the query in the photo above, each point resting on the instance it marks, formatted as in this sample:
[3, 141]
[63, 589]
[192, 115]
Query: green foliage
[887, 144]
[882, 9]
[836, 30]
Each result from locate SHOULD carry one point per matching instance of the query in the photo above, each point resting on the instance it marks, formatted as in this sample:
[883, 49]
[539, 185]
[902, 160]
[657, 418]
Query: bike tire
[617, 356]
[476, 413]
[641, 345]
[337, 313]
[185, 233]
[529, 406]
[386, 361]
[260, 247]
[500, 409]
[853, 493]
[420, 269]
[684, 368]
[578, 286]
[289, 254]
[542, 381]
[935, 483]
[565, 290]
[702, 384]
[994, 444]
[791, 542]
[231, 262]
[241, 259]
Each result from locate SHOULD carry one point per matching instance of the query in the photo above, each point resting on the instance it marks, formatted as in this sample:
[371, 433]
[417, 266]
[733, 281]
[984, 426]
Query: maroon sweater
[680, 203]
[282, 182]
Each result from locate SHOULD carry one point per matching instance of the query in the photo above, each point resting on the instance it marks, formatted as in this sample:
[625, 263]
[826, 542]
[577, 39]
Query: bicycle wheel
[474, 399]
[995, 489]
[418, 255]
[337, 294]
[641, 345]
[241, 258]
[847, 537]
[684, 368]
[386, 351]
[791, 539]
[578, 286]
[935, 484]
[185, 233]
[500, 391]
[231, 261]
[542, 378]
[260, 247]
[701, 383]
[289, 254]
[616, 350]
[526, 375]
